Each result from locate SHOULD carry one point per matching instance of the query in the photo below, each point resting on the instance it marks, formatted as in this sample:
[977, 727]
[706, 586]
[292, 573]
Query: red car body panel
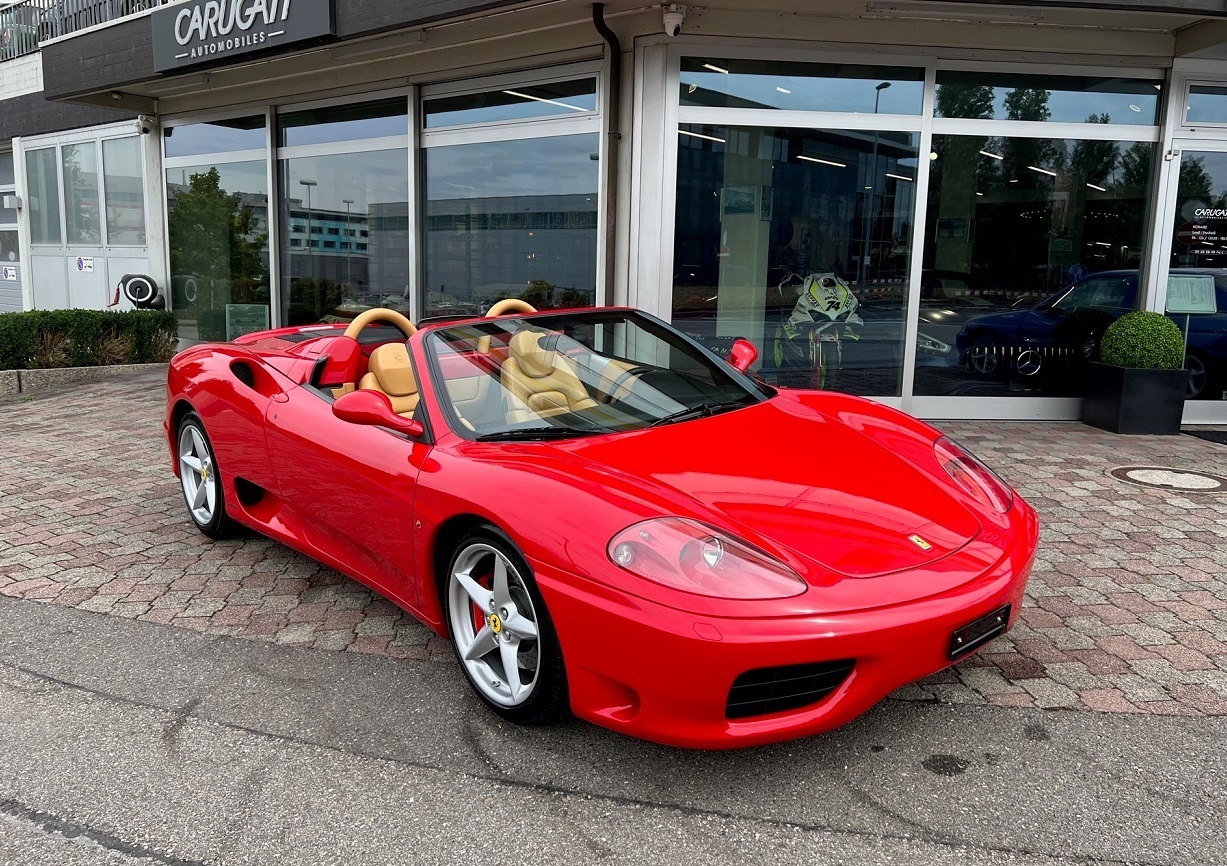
[640, 657]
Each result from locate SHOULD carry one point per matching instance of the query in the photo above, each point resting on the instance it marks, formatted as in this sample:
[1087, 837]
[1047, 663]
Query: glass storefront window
[345, 234]
[798, 240]
[1197, 271]
[125, 191]
[511, 219]
[218, 136]
[1032, 248]
[1053, 98]
[727, 83]
[1206, 104]
[217, 221]
[43, 190]
[6, 168]
[9, 251]
[558, 98]
[350, 122]
[81, 217]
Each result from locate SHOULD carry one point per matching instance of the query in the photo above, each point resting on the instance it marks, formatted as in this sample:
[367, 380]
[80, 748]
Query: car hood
[795, 477]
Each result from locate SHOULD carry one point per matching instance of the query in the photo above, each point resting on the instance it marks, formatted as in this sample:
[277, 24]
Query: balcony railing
[25, 24]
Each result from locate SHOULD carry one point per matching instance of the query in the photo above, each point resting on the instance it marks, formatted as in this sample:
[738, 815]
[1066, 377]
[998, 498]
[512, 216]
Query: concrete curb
[23, 381]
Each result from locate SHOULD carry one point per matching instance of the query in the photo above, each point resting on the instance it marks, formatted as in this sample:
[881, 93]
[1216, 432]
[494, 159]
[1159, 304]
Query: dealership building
[965, 192]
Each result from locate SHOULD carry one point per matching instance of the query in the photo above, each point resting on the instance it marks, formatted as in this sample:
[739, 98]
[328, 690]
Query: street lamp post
[310, 259]
[349, 249]
[869, 187]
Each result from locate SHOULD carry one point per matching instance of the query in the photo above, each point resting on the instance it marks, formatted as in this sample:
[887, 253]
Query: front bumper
[664, 674]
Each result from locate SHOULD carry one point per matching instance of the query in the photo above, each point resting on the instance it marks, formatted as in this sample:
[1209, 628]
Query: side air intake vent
[774, 690]
[243, 372]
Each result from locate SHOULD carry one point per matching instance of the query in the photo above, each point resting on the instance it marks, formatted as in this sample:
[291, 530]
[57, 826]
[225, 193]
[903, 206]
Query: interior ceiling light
[1100, 188]
[520, 95]
[993, 155]
[823, 161]
[898, 177]
[1042, 170]
[979, 193]
[714, 68]
[701, 135]
[1133, 107]
[950, 11]
[783, 90]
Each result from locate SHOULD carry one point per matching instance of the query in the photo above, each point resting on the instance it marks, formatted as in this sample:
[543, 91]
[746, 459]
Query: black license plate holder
[976, 634]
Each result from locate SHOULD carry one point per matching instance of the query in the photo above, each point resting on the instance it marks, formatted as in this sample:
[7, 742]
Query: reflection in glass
[6, 168]
[345, 235]
[125, 191]
[349, 122]
[1032, 248]
[43, 190]
[1055, 98]
[9, 251]
[81, 218]
[1207, 104]
[218, 136]
[1197, 273]
[217, 221]
[798, 240]
[800, 86]
[511, 219]
[558, 98]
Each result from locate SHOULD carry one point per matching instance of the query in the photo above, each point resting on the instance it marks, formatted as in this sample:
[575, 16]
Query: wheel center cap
[496, 623]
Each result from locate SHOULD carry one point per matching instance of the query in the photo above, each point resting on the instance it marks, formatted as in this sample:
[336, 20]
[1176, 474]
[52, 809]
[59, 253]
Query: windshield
[577, 374]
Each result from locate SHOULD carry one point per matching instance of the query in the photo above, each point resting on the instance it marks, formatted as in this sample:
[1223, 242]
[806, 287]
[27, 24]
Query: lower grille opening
[774, 690]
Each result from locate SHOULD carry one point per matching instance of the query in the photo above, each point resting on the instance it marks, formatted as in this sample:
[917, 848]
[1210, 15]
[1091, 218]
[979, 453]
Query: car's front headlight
[982, 483]
[931, 345]
[692, 557]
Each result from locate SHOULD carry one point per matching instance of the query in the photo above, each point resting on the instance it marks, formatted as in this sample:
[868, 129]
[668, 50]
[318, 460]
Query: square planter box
[1125, 400]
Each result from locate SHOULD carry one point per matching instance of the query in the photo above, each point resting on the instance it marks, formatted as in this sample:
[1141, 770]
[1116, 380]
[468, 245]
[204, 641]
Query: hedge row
[85, 338]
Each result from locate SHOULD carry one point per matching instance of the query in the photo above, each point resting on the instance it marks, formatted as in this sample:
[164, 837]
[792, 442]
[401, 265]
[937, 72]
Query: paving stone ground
[1126, 610]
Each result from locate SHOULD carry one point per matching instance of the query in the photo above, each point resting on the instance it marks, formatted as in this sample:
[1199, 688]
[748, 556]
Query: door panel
[353, 485]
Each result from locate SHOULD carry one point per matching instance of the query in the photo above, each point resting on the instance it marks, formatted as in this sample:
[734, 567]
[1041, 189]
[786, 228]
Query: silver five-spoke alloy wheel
[197, 472]
[494, 624]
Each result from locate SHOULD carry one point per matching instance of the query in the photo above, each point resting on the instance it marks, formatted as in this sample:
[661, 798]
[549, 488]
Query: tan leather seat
[392, 373]
[539, 381]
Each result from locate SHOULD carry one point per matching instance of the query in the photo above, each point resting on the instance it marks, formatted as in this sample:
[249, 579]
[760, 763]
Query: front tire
[201, 480]
[985, 357]
[501, 631]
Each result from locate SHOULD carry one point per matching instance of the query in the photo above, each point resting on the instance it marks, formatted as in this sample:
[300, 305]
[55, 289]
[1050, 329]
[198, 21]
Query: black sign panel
[202, 31]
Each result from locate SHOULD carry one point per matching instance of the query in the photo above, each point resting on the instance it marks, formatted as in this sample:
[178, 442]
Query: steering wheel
[623, 378]
[380, 314]
[510, 305]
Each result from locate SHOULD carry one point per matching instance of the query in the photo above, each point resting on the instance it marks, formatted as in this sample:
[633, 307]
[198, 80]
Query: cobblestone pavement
[1126, 610]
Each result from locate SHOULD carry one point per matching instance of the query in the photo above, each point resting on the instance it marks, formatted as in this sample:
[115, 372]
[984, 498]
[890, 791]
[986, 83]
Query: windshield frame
[433, 338]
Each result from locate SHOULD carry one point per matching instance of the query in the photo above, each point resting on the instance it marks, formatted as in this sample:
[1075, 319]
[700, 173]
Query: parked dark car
[1063, 331]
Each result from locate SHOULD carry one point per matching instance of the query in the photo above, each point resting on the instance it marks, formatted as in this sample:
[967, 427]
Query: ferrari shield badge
[919, 542]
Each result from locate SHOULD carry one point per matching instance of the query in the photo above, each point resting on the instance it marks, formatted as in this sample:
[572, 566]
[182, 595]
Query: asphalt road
[128, 742]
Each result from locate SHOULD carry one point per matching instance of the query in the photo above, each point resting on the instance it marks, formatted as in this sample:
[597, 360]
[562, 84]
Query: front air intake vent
[243, 372]
[774, 690]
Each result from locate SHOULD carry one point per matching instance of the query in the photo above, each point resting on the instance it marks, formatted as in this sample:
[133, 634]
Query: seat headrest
[534, 358]
[392, 368]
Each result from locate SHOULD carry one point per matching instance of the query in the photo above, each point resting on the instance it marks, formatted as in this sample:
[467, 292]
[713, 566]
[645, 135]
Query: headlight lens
[692, 557]
[931, 345]
[982, 483]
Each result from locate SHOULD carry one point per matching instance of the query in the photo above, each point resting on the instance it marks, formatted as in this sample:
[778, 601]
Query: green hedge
[1143, 340]
[85, 338]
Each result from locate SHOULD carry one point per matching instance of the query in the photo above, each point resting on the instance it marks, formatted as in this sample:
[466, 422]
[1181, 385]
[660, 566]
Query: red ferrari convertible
[604, 516]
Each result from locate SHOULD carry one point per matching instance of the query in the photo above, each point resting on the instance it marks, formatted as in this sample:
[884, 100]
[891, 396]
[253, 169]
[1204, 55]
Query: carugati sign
[208, 30]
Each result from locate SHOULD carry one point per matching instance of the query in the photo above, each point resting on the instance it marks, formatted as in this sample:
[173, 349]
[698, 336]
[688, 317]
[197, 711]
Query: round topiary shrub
[1144, 341]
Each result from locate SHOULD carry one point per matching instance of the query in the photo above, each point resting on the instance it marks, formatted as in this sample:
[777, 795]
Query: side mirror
[374, 409]
[742, 355]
